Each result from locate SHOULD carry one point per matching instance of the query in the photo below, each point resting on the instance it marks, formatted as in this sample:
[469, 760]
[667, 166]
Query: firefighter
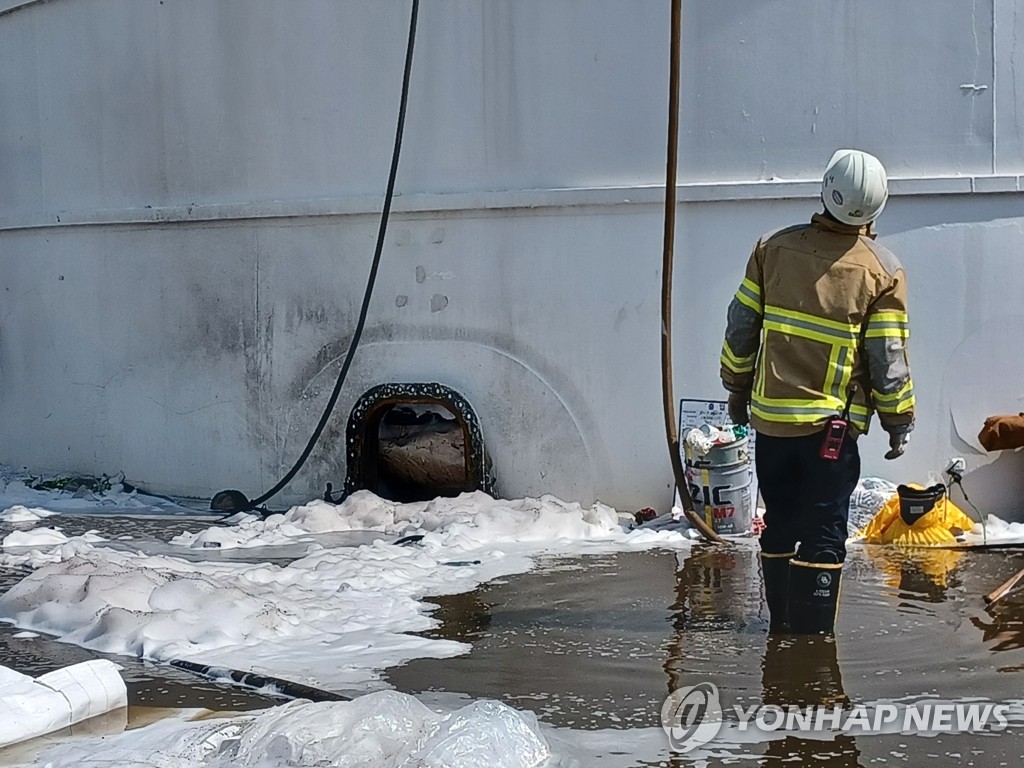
[816, 341]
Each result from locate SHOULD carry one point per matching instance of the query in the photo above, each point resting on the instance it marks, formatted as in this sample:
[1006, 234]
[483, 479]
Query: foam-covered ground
[334, 618]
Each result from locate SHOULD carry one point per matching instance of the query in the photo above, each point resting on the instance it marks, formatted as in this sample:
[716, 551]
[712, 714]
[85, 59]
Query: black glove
[738, 413]
[897, 444]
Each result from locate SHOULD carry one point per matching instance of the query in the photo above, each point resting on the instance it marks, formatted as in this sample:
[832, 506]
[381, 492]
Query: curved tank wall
[189, 195]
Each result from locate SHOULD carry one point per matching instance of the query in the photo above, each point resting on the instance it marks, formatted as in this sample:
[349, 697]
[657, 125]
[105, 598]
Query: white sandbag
[31, 707]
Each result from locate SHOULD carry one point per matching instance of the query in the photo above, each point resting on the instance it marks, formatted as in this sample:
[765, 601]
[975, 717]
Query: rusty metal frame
[361, 439]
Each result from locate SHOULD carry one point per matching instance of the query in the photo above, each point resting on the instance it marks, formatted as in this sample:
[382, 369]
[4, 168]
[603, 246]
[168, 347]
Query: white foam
[19, 513]
[995, 531]
[334, 618]
[45, 537]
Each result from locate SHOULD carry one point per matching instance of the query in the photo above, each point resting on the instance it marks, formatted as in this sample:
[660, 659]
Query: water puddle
[596, 643]
[599, 643]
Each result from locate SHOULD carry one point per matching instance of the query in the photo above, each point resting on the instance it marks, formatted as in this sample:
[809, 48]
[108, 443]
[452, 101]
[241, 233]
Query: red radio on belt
[835, 431]
[832, 443]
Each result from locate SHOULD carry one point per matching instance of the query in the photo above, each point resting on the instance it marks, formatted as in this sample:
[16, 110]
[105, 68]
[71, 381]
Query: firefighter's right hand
[738, 411]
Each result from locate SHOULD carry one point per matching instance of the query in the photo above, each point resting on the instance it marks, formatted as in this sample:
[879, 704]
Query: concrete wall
[189, 195]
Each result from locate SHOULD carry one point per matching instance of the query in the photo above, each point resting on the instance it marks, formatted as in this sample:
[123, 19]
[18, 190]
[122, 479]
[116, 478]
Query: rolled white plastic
[31, 707]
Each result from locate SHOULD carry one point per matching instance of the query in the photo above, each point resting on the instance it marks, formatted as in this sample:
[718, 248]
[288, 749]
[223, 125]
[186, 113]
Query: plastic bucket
[721, 493]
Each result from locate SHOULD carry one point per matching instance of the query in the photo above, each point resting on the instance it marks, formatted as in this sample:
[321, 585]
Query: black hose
[367, 295]
[252, 680]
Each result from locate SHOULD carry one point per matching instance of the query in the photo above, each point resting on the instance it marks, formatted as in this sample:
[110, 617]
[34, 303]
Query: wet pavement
[598, 642]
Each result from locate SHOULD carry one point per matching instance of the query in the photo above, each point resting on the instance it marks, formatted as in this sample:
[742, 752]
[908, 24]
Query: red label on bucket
[721, 513]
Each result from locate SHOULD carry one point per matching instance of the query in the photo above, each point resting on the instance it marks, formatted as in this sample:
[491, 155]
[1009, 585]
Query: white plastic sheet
[31, 707]
[386, 729]
[868, 498]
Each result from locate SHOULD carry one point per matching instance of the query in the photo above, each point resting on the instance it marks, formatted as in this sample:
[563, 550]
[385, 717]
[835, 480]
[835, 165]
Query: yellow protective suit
[934, 529]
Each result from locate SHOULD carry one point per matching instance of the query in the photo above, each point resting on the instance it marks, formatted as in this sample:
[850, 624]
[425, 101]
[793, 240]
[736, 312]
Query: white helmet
[855, 187]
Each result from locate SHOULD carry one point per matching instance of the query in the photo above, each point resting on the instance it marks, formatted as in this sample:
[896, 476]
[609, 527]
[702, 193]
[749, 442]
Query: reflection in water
[718, 604]
[923, 574]
[578, 641]
[465, 616]
[1002, 625]
[598, 642]
[1003, 630]
[718, 622]
[718, 593]
[108, 724]
[803, 671]
[705, 594]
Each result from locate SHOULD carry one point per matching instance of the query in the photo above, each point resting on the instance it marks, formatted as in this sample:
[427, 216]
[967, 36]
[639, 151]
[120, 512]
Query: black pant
[806, 497]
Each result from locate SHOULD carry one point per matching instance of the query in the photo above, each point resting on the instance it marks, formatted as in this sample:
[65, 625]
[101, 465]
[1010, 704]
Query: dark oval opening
[415, 442]
[421, 453]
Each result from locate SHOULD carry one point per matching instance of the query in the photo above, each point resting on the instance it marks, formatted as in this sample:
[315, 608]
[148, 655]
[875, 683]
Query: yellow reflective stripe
[789, 417]
[809, 327]
[759, 385]
[897, 402]
[774, 323]
[735, 363]
[749, 295]
[888, 332]
[750, 288]
[888, 317]
[902, 407]
[839, 371]
[892, 397]
[847, 329]
[800, 412]
[746, 301]
[888, 324]
[847, 372]
[830, 371]
[831, 404]
[737, 367]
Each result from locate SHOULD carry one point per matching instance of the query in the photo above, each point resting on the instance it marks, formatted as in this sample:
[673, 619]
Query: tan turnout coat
[820, 320]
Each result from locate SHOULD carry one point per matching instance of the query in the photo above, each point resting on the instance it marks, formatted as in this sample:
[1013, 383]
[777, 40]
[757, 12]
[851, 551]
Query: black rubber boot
[775, 572]
[813, 596]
